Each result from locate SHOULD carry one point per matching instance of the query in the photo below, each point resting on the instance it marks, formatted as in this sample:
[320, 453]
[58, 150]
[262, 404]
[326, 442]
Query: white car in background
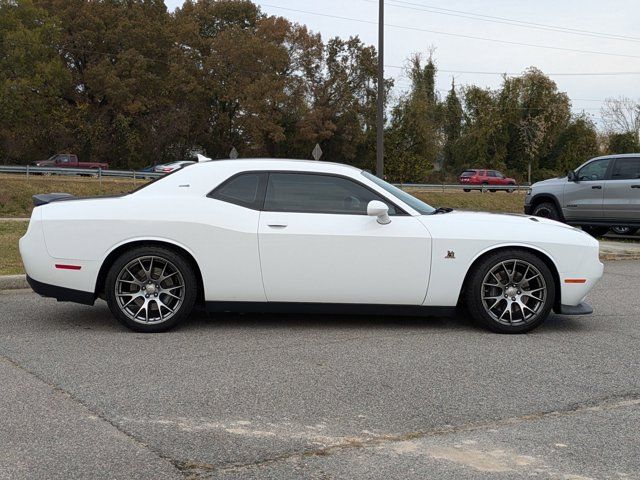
[287, 235]
[171, 167]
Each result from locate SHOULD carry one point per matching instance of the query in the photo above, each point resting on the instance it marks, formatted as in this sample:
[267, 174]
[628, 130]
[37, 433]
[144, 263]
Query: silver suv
[601, 194]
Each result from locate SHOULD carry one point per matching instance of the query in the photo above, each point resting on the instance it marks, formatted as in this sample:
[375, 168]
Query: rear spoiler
[44, 198]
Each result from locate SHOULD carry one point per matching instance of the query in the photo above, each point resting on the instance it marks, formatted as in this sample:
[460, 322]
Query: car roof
[279, 164]
[202, 175]
[618, 155]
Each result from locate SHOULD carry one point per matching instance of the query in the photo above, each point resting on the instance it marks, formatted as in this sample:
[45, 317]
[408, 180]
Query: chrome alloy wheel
[149, 290]
[513, 292]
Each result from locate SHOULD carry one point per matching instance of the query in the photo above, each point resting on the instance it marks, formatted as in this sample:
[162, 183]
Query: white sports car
[274, 235]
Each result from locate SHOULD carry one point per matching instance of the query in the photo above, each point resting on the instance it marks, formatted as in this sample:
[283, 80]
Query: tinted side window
[626, 169]
[595, 170]
[491, 173]
[309, 193]
[246, 190]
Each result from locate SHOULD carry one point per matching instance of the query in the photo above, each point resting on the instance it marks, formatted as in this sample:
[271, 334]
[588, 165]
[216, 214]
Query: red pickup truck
[68, 160]
[485, 179]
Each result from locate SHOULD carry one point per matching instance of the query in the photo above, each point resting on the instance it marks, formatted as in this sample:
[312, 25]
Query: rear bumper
[580, 309]
[61, 294]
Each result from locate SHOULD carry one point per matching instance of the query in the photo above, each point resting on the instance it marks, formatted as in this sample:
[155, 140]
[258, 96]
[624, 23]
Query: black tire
[624, 230]
[466, 190]
[511, 190]
[117, 279]
[493, 190]
[475, 288]
[596, 231]
[546, 210]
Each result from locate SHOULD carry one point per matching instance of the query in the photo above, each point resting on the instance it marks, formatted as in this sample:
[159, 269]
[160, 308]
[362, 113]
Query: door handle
[597, 187]
[277, 225]
[635, 186]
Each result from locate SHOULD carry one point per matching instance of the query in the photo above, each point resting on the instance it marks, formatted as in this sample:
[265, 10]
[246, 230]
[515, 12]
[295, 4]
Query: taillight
[167, 169]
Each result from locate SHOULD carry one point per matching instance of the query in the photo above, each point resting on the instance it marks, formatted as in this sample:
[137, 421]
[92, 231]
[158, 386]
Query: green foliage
[32, 75]
[627, 142]
[414, 136]
[576, 144]
[129, 83]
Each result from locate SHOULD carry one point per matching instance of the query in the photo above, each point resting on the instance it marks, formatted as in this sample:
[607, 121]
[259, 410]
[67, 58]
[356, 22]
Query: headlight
[529, 191]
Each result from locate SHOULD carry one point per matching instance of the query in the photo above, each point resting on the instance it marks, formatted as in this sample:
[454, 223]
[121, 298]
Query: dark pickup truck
[68, 160]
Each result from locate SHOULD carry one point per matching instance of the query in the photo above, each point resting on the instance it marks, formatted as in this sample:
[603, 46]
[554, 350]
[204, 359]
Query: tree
[483, 142]
[452, 127]
[623, 143]
[576, 144]
[414, 136]
[32, 79]
[621, 115]
[537, 113]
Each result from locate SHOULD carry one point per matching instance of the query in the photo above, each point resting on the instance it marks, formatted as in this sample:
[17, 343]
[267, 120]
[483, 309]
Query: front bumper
[527, 209]
[580, 309]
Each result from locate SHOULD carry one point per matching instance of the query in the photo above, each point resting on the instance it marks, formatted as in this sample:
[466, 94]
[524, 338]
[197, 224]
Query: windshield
[413, 202]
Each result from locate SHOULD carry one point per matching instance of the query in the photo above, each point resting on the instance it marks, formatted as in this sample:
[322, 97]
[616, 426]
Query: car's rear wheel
[466, 189]
[624, 230]
[546, 210]
[151, 289]
[511, 189]
[596, 231]
[510, 291]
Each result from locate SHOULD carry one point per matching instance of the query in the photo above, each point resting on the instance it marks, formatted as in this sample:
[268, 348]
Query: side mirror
[571, 176]
[376, 208]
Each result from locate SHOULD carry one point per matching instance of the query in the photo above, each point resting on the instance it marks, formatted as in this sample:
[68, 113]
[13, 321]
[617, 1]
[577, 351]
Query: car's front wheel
[596, 231]
[546, 210]
[510, 291]
[151, 289]
[624, 230]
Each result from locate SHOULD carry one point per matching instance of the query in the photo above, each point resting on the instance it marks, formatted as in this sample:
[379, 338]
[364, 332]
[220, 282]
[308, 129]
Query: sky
[407, 20]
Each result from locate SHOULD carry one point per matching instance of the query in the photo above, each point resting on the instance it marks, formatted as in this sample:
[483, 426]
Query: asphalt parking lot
[255, 396]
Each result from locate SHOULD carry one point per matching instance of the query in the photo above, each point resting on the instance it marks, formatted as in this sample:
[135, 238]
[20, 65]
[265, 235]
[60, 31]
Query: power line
[506, 21]
[457, 35]
[476, 72]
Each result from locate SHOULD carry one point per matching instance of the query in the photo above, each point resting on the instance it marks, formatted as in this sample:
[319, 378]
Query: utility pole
[380, 114]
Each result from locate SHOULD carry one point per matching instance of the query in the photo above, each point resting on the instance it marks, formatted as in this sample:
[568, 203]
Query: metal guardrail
[87, 172]
[444, 187]
[100, 173]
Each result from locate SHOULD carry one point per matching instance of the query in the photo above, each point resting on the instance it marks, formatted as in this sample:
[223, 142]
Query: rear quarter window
[246, 190]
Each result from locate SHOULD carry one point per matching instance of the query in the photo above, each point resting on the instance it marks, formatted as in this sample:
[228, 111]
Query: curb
[13, 282]
[612, 257]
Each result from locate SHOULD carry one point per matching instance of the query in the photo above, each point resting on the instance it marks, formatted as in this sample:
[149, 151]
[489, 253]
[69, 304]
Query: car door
[583, 198]
[622, 191]
[317, 244]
